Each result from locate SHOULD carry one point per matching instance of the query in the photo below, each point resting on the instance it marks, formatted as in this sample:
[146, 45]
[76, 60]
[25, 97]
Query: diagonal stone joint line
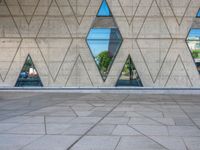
[147, 117]
[190, 118]
[74, 13]
[73, 111]
[79, 22]
[44, 19]
[137, 37]
[120, 102]
[117, 142]
[129, 22]
[162, 62]
[185, 144]
[170, 5]
[73, 67]
[148, 137]
[4, 79]
[37, 139]
[171, 72]
[35, 109]
[63, 60]
[45, 125]
[28, 22]
[15, 23]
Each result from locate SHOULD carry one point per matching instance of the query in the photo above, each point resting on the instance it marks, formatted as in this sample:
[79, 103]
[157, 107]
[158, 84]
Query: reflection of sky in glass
[194, 34]
[198, 14]
[99, 33]
[98, 40]
[104, 9]
[98, 46]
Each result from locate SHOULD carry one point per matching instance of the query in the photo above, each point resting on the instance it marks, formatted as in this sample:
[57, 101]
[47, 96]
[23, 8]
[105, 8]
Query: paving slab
[51, 142]
[74, 121]
[15, 142]
[97, 143]
[138, 143]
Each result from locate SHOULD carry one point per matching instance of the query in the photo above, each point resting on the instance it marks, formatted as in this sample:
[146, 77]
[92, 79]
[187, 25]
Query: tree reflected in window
[104, 44]
[193, 41]
[129, 75]
[104, 39]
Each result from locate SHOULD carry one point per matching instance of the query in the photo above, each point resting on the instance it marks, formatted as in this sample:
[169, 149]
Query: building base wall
[53, 33]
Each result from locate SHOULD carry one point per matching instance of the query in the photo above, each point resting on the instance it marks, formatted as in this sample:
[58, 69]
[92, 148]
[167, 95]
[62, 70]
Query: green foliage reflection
[128, 69]
[103, 60]
[28, 64]
[196, 53]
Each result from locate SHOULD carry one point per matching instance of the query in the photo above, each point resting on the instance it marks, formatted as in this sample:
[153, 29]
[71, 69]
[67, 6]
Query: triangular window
[129, 75]
[28, 76]
[104, 10]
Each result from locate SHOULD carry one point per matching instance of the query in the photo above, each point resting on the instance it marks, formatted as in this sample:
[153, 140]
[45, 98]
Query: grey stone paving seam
[100, 98]
[29, 111]
[150, 118]
[149, 138]
[19, 98]
[113, 131]
[93, 135]
[185, 144]
[129, 118]
[97, 123]
[118, 143]
[148, 106]
[93, 104]
[73, 111]
[168, 130]
[186, 113]
[31, 142]
[45, 125]
[27, 134]
[4, 132]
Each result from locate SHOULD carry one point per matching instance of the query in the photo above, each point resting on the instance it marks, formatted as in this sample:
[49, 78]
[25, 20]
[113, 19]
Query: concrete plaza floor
[67, 121]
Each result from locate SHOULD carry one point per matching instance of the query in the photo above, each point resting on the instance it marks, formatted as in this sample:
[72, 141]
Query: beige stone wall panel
[53, 33]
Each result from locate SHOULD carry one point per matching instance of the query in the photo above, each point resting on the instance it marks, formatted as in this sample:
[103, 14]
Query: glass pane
[195, 50]
[104, 44]
[198, 14]
[99, 33]
[194, 34]
[28, 76]
[104, 9]
[98, 46]
[129, 75]
[193, 41]
[104, 33]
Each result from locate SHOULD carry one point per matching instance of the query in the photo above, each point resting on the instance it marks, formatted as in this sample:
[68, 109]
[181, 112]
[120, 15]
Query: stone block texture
[53, 33]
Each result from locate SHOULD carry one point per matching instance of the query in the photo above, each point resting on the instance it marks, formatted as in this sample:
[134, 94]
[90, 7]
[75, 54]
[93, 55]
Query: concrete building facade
[54, 32]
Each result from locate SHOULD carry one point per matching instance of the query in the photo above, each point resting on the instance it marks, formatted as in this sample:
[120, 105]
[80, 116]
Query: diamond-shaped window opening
[193, 41]
[129, 75]
[28, 76]
[104, 39]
